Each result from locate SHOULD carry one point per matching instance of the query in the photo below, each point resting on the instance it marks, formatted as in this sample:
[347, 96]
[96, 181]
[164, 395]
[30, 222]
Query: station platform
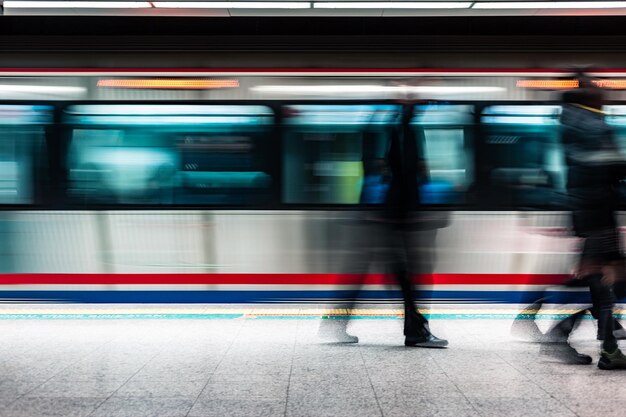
[207, 360]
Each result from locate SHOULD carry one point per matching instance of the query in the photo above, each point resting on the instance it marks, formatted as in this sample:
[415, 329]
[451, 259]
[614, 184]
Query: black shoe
[615, 360]
[564, 352]
[428, 341]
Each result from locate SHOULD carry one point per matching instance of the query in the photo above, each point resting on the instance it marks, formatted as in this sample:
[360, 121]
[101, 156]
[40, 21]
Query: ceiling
[314, 8]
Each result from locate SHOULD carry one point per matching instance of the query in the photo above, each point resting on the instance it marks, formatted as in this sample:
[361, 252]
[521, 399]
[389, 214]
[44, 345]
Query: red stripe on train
[278, 279]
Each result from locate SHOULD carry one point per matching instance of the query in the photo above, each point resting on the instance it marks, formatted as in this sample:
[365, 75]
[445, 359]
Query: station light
[373, 89]
[42, 89]
[168, 84]
[320, 89]
[435, 89]
[612, 84]
[551, 5]
[548, 84]
[21, 4]
[233, 4]
[393, 5]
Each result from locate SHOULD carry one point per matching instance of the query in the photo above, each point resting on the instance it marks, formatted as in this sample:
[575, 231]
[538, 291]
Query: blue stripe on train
[517, 297]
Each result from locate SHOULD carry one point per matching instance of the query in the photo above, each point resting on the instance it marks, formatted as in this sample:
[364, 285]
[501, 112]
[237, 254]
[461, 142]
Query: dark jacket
[594, 164]
[403, 160]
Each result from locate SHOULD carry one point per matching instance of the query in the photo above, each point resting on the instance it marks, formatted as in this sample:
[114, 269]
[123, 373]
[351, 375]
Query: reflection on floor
[245, 366]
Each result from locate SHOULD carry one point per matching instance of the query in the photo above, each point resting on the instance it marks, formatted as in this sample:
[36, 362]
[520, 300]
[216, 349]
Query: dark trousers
[415, 324]
[603, 299]
[393, 250]
[619, 291]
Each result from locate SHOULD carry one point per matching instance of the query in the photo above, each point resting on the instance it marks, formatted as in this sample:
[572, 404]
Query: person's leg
[561, 331]
[357, 250]
[414, 322]
[555, 341]
[618, 330]
[416, 327]
[334, 324]
[602, 298]
[619, 289]
[611, 356]
[395, 248]
[600, 251]
[524, 326]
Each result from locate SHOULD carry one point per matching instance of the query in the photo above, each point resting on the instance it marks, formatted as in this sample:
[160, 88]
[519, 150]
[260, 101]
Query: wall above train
[590, 34]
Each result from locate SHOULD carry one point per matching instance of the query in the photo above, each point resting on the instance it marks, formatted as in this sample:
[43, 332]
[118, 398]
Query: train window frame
[66, 139]
[41, 170]
[468, 129]
[482, 182]
[59, 140]
[467, 205]
[53, 167]
[284, 133]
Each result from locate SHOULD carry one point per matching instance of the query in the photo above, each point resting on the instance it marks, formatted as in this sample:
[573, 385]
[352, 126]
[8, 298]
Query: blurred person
[595, 166]
[392, 232]
[525, 326]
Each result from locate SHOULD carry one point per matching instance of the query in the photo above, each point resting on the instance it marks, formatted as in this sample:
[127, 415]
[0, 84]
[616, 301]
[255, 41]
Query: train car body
[244, 185]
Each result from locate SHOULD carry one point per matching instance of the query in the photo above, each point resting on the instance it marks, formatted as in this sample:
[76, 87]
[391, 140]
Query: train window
[169, 154]
[327, 148]
[616, 117]
[22, 135]
[447, 149]
[523, 162]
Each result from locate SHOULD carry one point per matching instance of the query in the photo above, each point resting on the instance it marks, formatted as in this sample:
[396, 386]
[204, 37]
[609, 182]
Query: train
[240, 185]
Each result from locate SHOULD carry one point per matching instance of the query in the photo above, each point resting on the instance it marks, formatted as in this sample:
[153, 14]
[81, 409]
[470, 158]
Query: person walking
[594, 167]
[391, 232]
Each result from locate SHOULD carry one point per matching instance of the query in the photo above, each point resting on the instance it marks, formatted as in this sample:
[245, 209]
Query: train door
[326, 147]
[334, 155]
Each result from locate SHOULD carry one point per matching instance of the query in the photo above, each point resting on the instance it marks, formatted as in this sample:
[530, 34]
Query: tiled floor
[274, 367]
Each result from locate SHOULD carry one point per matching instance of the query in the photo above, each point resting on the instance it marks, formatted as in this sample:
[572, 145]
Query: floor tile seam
[37, 349]
[86, 357]
[49, 379]
[562, 403]
[531, 380]
[232, 342]
[293, 358]
[380, 408]
[456, 385]
[124, 383]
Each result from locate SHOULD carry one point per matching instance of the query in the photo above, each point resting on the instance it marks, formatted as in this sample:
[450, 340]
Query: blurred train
[237, 185]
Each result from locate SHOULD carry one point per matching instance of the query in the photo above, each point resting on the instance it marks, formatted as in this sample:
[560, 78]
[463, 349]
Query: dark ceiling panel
[33, 33]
